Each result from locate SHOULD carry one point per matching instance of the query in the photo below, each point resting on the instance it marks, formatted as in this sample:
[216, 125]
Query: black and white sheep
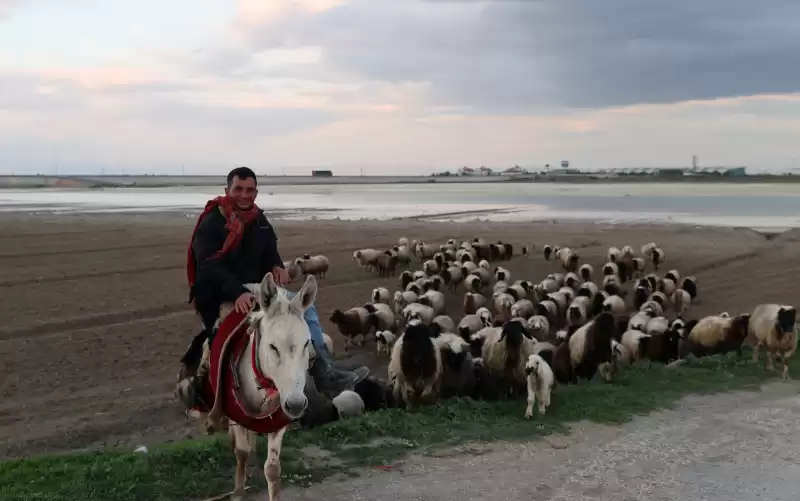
[313, 265]
[523, 308]
[539, 327]
[381, 295]
[715, 334]
[385, 341]
[403, 299]
[415, 367]
[505, 353]
[473, 301]
[366, 258]
[381, 316]
[458, 376]
[435, 300]
[590, 347]
[773, 326]
[502, 275]
[568, 258]
[424, 313]
[586, 271]
[353, 322]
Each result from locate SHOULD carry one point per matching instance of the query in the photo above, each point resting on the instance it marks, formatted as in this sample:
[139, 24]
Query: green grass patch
[201, 468]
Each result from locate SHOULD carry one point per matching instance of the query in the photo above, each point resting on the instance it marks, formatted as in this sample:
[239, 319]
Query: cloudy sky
[396, 86]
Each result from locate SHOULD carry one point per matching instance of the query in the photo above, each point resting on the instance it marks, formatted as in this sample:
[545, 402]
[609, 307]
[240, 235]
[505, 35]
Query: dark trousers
[206, 303]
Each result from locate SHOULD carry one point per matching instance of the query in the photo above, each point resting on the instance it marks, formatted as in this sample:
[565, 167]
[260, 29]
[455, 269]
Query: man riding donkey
[234, 244]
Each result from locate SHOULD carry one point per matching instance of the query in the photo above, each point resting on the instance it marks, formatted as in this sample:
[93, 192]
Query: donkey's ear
[267, 292]
[307, 294]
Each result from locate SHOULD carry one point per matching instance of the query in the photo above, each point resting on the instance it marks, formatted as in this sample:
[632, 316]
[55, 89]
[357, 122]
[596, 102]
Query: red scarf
[236, 221]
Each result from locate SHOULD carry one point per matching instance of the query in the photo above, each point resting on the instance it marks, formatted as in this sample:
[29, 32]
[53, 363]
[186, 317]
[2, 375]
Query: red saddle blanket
[228, 349]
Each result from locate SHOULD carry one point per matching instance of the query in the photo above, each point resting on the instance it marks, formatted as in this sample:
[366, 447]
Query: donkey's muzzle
[295, 406]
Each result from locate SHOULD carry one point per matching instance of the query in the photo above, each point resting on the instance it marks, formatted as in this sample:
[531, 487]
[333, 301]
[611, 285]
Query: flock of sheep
[522, 337]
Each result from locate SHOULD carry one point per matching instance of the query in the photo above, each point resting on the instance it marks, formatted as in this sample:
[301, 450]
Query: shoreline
[167, 181]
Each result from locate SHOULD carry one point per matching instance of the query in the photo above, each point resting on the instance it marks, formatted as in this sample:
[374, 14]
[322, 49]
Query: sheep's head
[485, 315]
[739, 327]
[532, 365]
[357, 255]
[786, 319]
[337, 317]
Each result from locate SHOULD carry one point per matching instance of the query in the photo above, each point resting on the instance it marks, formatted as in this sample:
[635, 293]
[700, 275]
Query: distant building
[321, 173]
[514, 171]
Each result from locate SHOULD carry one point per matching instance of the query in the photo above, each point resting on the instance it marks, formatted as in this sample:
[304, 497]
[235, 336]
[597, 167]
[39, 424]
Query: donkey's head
[283, 349]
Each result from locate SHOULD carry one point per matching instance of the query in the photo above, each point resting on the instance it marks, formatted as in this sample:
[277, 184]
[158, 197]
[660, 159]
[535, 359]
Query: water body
[761, 206]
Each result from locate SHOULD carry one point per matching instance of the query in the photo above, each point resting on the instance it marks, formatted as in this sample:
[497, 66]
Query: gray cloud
[522, 56]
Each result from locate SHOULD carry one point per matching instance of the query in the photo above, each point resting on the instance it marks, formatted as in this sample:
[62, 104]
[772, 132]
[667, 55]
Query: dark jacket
[248, 262]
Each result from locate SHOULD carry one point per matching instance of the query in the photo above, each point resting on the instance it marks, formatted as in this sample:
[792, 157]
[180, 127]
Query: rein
[263, 381]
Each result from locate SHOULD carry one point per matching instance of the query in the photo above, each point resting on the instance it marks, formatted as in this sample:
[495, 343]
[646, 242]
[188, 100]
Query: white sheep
[403, 299]
[614, 254]
[539, 327]
[473, 284]
[502, 303]
[639, 320]
[578, 311]
[681, 300]
[445, 323]
[522, 308]
[657, 325]
[485, 315]
[403, 255]
[453, 276]
[500, 287]
[653, 307]
[540, 384]
[425, 251]
[505, 352]
[468, 268]
[773, 327]
[366, 258]
[611, 269]
[635, 343]
[424, 313]
[348, 404]
[469, 325]
[614, 305]
[586, 271]
[313, 265]
[434, 299]
[569, 260]
[381, 316]
[502, 275]
[381, 295]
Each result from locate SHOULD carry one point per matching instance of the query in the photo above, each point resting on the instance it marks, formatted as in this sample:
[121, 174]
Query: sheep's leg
[243, 442]
[544, 400]
[755, 352]
[785, 367]
[531, 399]
[769, 364]
[272, 466]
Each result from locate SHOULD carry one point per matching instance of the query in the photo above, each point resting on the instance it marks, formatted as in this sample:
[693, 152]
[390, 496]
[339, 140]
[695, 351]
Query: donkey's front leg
[272, 467]
[244, 443]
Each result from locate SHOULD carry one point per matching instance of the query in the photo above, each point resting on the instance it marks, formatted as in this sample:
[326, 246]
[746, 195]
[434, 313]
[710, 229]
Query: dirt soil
[95, 316]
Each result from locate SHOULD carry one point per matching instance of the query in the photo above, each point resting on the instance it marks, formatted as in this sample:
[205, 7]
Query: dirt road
[730, 447]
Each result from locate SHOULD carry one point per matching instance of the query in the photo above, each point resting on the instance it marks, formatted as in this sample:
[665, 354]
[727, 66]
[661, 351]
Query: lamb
[473, 301]
[586, 271]
[522, 308]
[381, 295]
[539, 327]
[403, 299]
[445, 324]
[473, 284]
[569, 260]
[381, 316]
[504, 354]
[680, 301]
[434, 299]
[614, 305]
[773, 327]
[540, 384]
[415, 367]
[351, 323]
[313, 265]
[458, 373]
[590, 347]
[636, 344]
[713, 335]
[502, 274]
[366, 258]
[424, 313]
[385, 341]
[453, 276]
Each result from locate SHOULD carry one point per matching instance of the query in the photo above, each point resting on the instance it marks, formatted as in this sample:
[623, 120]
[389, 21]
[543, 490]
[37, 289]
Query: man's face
[243, 192]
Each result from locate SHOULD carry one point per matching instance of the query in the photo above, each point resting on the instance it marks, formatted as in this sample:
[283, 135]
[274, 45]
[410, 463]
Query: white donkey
[283, 354]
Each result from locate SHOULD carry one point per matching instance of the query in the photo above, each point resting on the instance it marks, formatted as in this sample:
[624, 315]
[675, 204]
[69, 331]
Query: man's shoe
[332, 381]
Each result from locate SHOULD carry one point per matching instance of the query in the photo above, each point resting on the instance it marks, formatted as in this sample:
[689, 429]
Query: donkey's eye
[273, 348]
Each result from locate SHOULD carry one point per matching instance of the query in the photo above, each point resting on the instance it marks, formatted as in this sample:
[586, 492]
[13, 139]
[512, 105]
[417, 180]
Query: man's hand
[280, 275]
[244, 302]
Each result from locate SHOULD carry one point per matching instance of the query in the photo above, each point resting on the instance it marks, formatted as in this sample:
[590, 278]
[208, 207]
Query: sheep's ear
[267, 291]
[307, 294]
[526, 333]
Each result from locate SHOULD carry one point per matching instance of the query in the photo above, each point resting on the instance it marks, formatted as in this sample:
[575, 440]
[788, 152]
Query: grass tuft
[201, 468]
